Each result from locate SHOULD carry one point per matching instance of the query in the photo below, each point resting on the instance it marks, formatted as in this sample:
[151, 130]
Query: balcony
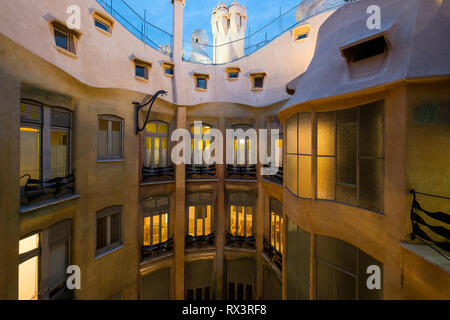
[157, 250]
[241, 172]
[158, 174]
[240, 242]
[200, 172]
[36, 191]
[277, 178]
[200, 242]
[273, 255]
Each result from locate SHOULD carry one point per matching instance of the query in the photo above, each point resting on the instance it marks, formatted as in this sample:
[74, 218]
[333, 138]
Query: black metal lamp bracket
[139, 106]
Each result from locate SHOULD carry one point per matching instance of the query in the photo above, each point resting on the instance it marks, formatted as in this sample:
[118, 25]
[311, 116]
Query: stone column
[180, 214]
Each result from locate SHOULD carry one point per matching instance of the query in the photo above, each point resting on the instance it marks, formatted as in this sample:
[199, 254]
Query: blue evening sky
[197, 13]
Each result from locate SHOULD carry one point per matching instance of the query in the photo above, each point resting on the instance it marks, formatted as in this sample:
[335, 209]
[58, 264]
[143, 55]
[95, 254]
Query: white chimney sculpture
[228, 27]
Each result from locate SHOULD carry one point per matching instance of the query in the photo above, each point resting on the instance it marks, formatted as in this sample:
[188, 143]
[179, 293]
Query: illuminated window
[109, 229]
[199, 214]
[36, 147]
[350, 156]
[203, 144]
[244, 152]
[65, 37]
[155, 211]
[241, 214]
[156, 137]
[29, 259]
[201, 81]
[299, 154]
[276, 225]
[110, 138]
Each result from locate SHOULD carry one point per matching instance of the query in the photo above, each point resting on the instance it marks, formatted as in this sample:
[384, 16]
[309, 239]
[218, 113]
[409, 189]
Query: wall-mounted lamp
[140, 106]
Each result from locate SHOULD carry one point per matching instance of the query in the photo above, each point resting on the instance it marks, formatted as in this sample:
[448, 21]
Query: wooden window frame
[201, 76]
[108, 213]
[109, 157]
[156, 211]
[153, 135]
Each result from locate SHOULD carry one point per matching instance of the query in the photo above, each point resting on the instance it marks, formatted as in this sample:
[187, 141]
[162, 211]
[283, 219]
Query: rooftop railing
[139, 25]
[256, 39]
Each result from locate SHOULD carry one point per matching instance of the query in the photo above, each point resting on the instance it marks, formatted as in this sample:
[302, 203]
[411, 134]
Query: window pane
[156, 152]
[240, 221]
[346, 154]
[292, 173]
[326, 178]
[29, 279]
[201, 83]
[146, 231]
[58, 154]
[231, 290]
[101, 232]
[102, 143]
[249, 222]
[371, 184]
[199, 294]
[325, 281]
[164, 153]
[304, 133]
[141, 71]
[233, 222]
[30, 153]
[155, 229]
[347, 116]
[240, 292]
[115, 228]
[151, 127]
[61, 39]
[345, 286]
[58, 266]
[148, 152]
[116, 136]
[200, 220]
[208, 220]
[346, 194]
[371, 130]
[304, 176]
[272, 229]
[190, 295]
[29, 244]
[326, 133]
[192, 221]
[163, 128]
[291, 126]
[248, 292]
[277, 232]
[207, 293]
[164, 227]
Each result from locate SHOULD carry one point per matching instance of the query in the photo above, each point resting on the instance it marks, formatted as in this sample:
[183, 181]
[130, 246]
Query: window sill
[109, 34]
[65, 52]
[47, 203]
[257, 89]
[142, 79]
[168, 75]
[151, 183]
[201, 90]
[110, 160]
[113, 249]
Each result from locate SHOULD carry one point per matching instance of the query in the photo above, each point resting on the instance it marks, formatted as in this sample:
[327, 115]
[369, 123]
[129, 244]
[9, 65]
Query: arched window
[156, 137]
[155, 210]
[204, 144]
[200, 214]
[242, 146]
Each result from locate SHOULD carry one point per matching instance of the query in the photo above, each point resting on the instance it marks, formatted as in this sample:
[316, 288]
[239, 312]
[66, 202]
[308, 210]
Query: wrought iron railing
[273, 255]
[419, 224]
[200, 171]
[38, 190]
[199, 242]
[158, 249]
[139, 25]
[276, 178]
[241, 171]
[240, 242]
[156, 174]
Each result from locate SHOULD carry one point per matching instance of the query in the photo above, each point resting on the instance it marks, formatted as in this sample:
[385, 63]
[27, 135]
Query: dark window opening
[169, 70]
[201, 83]
[249, 292]
[240, 292]
[302, 36]
[190, 295]
[233, 75]
[101, 25]
[230, 291]
[259, 82]
[141, 71]
[366, 49]
[61, 39]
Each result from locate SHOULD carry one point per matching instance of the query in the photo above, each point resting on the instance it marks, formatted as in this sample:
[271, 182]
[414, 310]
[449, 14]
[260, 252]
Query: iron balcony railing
[158, 249]
[240, 242]
[38, 190]
[156, 174]
[199, 242]
[200, 171]
[241, 171]
[273, 255]
[427, 231]
[276, 178]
